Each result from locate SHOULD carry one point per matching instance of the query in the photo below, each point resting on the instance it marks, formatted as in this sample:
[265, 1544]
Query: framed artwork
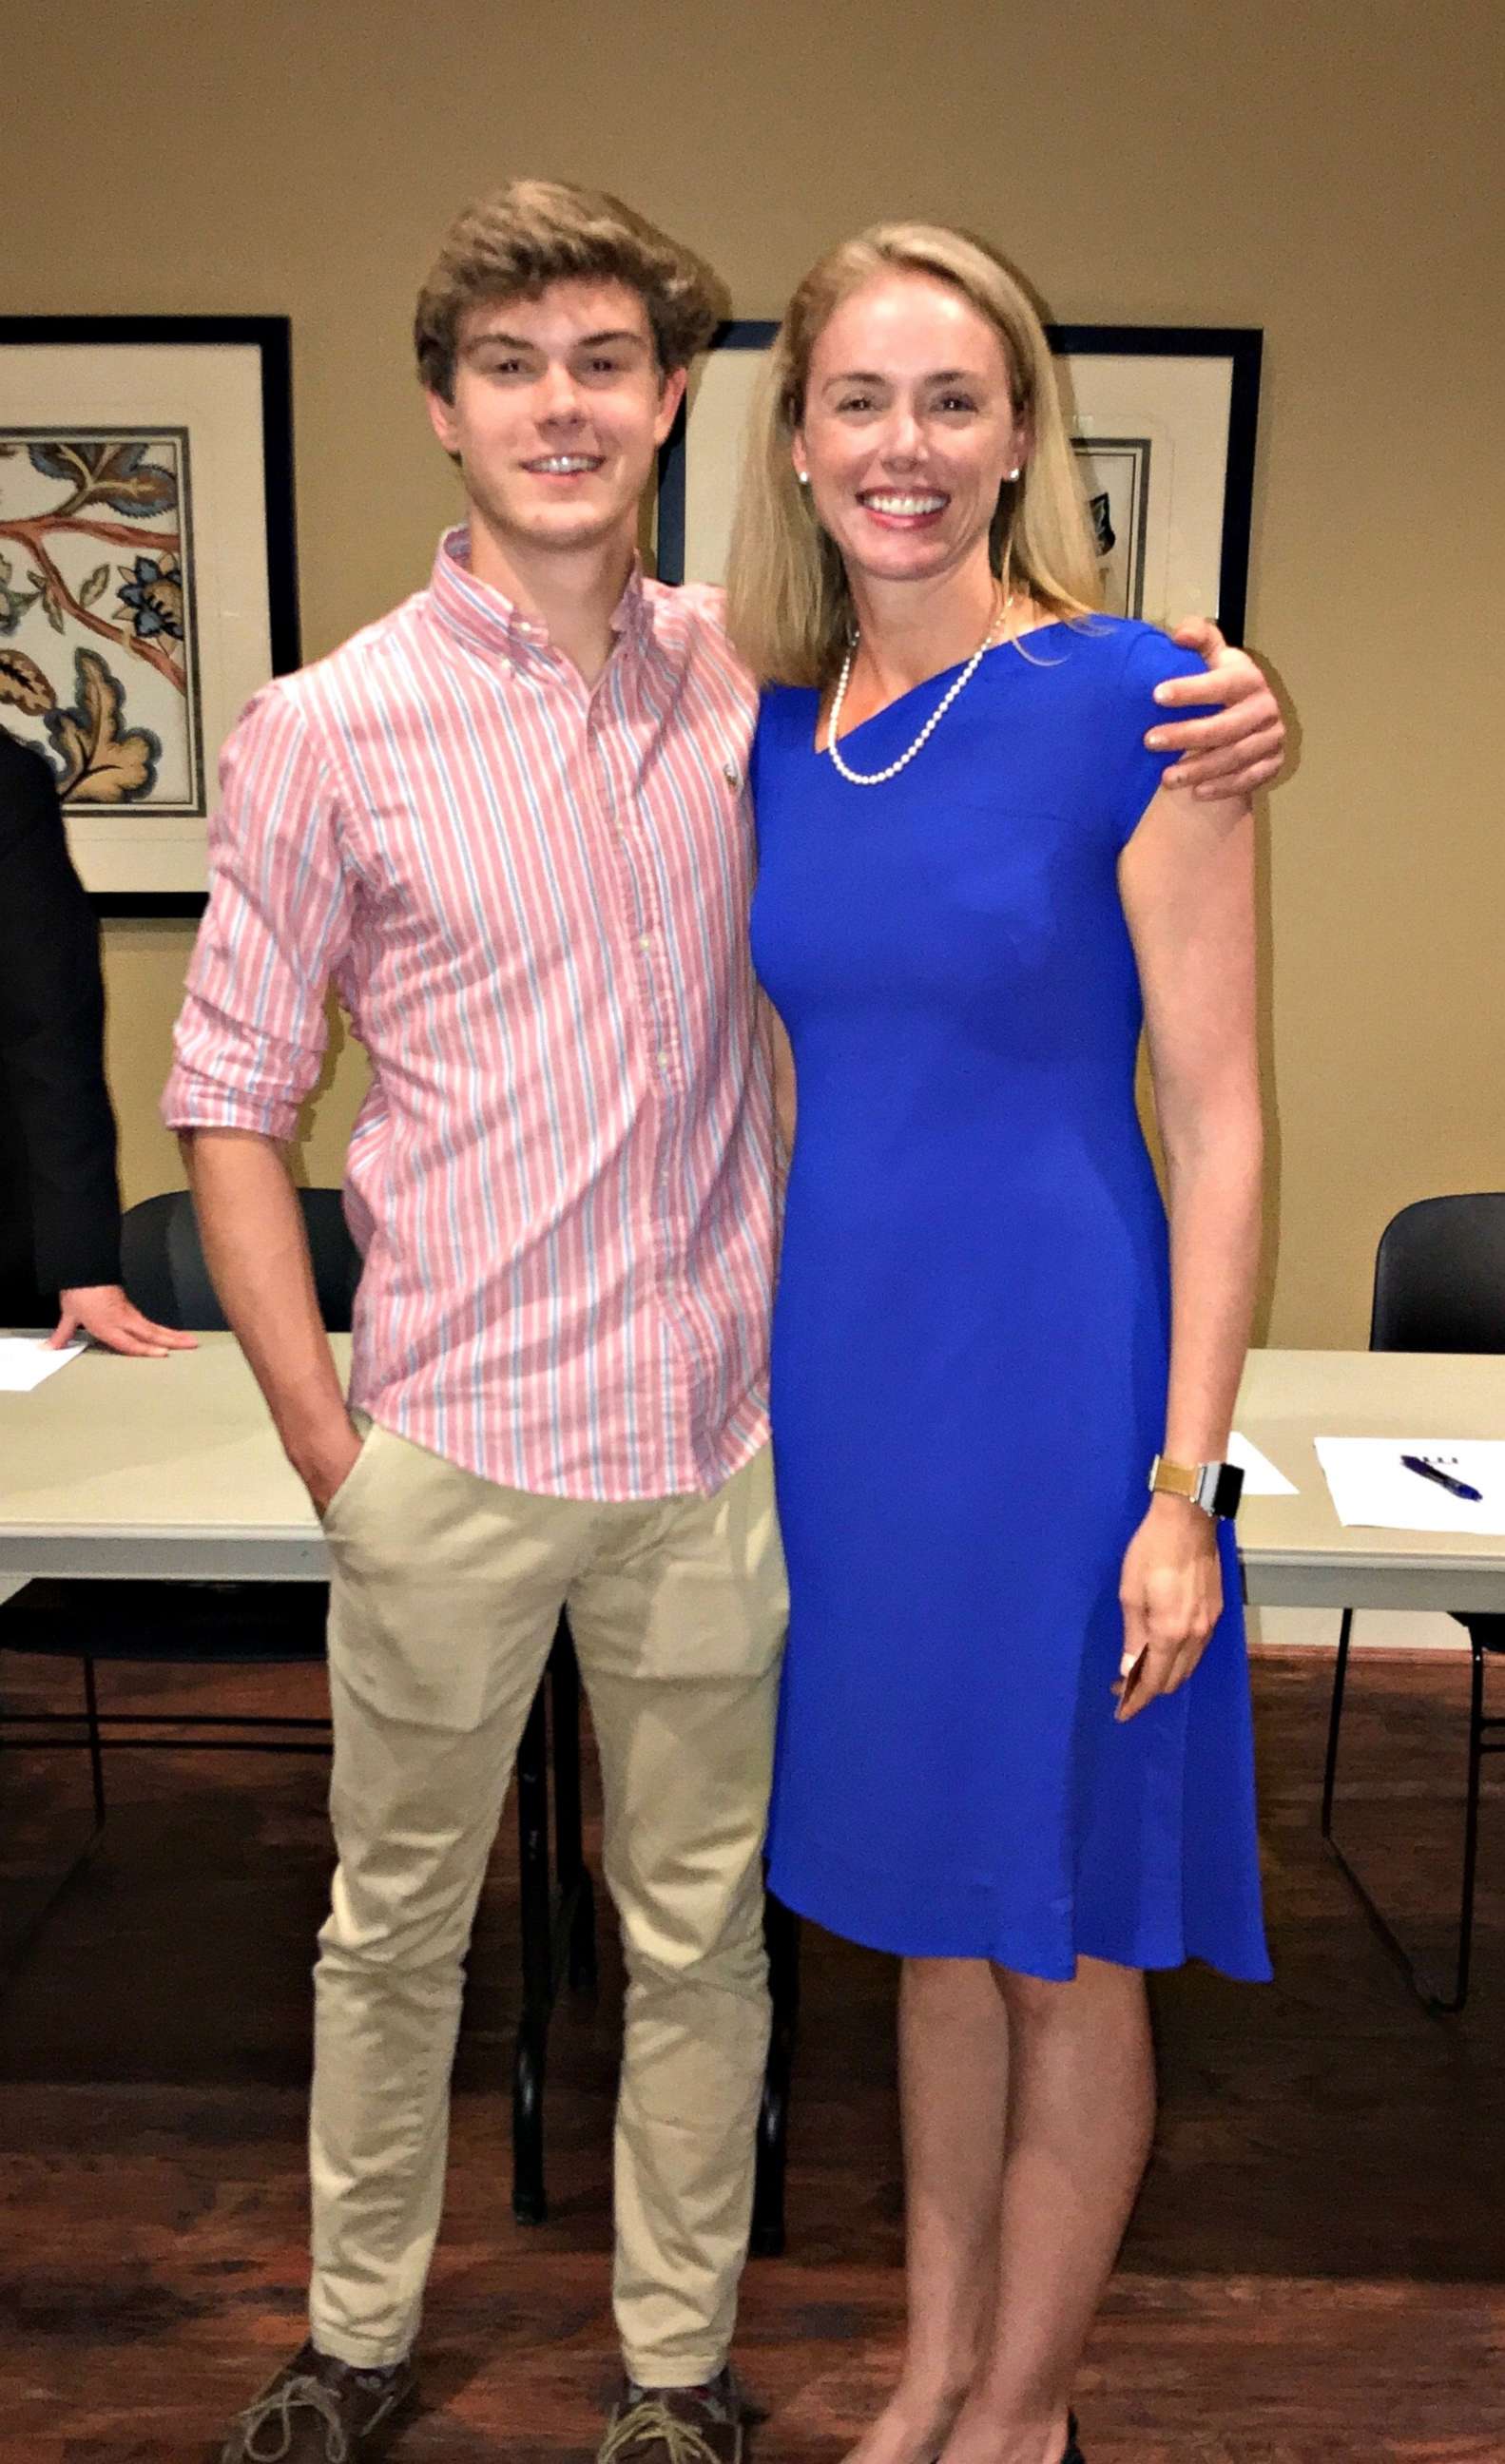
[1164, 421]
[147, 574]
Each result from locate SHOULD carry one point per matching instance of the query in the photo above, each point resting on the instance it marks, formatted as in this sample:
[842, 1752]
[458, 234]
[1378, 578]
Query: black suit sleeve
[52, 1037]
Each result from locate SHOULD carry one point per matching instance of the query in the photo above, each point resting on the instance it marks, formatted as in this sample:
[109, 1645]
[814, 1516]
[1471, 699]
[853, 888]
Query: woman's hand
[1171, 1593]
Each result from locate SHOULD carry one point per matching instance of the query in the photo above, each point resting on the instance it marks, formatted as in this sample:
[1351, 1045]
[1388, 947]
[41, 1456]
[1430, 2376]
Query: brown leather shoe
[318, 2410]
[703, 2425]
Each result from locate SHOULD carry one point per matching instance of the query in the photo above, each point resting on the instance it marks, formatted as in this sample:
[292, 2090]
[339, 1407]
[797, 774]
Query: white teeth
[904, 504]
[565, 462]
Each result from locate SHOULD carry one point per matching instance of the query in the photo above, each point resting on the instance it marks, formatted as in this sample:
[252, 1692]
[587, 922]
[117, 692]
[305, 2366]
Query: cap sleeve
[1151, 657]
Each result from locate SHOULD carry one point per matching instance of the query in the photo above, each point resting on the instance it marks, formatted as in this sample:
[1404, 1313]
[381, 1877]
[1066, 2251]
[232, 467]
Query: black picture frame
[1239, 350]
[254, 420]
[750, 334]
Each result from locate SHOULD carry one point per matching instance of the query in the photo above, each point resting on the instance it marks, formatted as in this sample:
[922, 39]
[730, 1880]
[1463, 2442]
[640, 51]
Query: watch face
[1228, 1490]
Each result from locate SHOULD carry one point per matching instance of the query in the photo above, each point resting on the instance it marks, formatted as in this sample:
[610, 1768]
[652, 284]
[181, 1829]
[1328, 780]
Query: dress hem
[838, 1914]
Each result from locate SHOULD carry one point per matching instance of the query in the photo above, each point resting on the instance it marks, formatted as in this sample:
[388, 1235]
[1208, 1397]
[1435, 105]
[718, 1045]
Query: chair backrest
[164, 1271]
[1439, 1276]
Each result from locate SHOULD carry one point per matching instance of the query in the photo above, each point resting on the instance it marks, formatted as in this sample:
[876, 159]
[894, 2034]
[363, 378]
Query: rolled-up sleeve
[252, 1031]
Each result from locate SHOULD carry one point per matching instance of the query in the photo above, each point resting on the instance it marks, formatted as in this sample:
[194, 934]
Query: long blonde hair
[789, 606]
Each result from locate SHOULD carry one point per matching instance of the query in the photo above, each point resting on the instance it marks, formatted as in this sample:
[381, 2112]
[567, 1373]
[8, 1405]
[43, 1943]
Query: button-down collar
[491, 622]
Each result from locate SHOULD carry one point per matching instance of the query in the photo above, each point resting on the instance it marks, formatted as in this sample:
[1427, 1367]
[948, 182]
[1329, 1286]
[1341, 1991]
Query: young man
[508, 823]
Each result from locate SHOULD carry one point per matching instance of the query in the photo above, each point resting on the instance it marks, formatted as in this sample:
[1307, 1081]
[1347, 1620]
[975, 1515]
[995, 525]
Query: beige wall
[1329, 169]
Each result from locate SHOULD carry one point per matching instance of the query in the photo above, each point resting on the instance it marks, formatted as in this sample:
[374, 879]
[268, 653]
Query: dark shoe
[703, 2425]
[318, 2410]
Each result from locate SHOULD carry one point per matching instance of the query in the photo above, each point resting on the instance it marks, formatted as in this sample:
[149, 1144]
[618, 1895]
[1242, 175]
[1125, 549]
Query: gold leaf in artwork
[46, 589]
[104, 765]
[150, 490]
[89, 591]
[23, 683]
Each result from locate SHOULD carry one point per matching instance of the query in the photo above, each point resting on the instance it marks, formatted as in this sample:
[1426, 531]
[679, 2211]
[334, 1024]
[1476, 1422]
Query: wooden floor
[1316, 2268]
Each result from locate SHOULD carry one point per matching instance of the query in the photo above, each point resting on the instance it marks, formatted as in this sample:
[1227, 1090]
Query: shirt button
[645, 941]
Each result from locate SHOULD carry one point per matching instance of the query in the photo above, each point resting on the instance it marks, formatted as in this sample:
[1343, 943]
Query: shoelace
[275, 2411]
[651, 2418]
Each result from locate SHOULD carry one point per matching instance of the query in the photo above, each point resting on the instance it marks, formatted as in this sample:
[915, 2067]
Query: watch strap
[1173, 1479]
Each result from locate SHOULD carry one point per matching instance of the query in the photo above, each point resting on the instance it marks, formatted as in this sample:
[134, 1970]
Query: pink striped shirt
[532, 899]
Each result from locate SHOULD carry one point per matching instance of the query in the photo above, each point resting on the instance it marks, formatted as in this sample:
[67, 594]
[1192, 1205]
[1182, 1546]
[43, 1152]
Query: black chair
[781, 1933]
[556, 1907]
[163, 1269]
[1439, 1286]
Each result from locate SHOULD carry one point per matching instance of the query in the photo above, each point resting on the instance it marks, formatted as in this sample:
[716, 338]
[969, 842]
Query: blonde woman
[1014, 1741]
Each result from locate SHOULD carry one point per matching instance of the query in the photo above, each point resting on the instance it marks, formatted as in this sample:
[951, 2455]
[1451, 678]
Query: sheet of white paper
[25, 1362]
[1371, 1486]
[1260, 1476]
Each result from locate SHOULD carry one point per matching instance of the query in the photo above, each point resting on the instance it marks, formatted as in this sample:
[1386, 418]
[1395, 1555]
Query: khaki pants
[446, 1593]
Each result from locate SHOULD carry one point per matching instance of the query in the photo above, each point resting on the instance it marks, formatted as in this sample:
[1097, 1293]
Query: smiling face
[559, 408]
[909, 430]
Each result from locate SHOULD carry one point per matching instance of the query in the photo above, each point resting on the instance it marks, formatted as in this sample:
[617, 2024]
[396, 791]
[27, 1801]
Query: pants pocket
[332, 1521]
[444, 1588]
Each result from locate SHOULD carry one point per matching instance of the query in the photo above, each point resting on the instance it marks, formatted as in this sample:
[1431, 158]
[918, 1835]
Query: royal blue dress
[970, 1340]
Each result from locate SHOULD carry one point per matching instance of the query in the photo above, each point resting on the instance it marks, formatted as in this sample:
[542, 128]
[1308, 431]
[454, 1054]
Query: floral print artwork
[97, 657]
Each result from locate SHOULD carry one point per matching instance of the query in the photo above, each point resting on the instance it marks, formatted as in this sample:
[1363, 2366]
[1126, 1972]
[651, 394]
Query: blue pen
[1443, 1479]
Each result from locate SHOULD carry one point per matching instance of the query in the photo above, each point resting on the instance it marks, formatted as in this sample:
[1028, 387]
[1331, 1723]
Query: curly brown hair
[513, 243]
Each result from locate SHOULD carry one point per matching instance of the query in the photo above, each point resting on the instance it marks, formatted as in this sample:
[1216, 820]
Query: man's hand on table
[104, 1311]
[1243, 747]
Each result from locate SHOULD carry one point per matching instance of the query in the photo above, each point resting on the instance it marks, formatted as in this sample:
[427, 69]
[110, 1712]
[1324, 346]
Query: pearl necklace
[876, 778]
